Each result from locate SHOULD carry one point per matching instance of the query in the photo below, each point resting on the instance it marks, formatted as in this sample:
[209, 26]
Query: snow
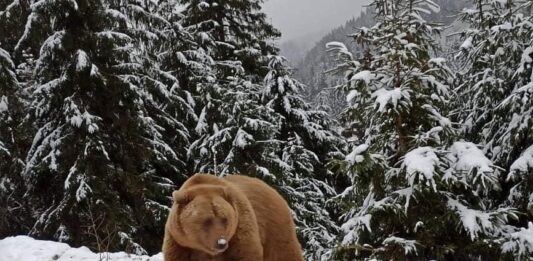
[355, 156]
[474, 221]
[23, 248]
[524, 162]
[466, 156]
[242, 139]
[409, 246]
[438, 61]
[505, 26]
[357, 221]
[340, 49]
[6, 58]
[526, 56]
[423, 161]
[384, 97]
[365, 76]
[351, 95]
[201, 126]
[467, 44]
[520, 242]
[434, 7]
[3, 104]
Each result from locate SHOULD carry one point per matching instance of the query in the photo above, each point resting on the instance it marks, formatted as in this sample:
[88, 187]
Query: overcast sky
[297, 18]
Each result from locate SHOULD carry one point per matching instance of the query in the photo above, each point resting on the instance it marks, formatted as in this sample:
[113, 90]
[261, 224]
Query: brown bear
[235, 218]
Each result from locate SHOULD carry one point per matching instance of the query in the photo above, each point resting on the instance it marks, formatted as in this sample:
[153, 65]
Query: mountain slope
[312, 69]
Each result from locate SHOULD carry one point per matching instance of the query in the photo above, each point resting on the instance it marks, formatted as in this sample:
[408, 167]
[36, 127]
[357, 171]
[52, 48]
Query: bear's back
[276, 226]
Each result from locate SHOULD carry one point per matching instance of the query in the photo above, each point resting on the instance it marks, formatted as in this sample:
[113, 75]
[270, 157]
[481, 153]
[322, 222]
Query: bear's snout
[222, 245]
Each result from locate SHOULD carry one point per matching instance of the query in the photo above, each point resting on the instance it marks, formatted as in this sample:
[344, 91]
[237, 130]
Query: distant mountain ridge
[311, 70]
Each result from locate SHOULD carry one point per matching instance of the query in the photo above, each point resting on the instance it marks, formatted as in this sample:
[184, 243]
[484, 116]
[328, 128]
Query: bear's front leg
[174, 252]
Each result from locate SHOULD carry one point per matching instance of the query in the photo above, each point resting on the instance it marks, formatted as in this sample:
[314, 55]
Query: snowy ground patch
[23, 248]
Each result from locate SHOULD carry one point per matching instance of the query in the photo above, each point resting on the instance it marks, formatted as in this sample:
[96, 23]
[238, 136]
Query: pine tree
[13, 14]
[496, 53]
[491, 53]
[237, 39]
[158, 39]
[238, 33]
[242, 142]
[12, 215]
[307, 143]
[92, 170]
[414, 194]
[185, 58]
[517, 137]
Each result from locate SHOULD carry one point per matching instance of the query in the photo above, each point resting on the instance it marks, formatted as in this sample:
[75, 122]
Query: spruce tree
[236, 38]
[239, 130]
[158, 38]
[495, 108]
[13, 15]
[13, 216]
[415, 195]
[238, 31]
[492, 53]
[307, 143]
[92, 171]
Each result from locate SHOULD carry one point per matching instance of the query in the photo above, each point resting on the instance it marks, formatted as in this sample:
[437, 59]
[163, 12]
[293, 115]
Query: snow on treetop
[82, 61]
[521, 242]
[423, 161]
[468, 164]
[505, 26]
[467, 44]
[409, 246]
[365, 76]
[54, 42]
[340, 49]
[352, 94]
[466, 156]
[384, 96]
[523, 163]
[526, 58]
[437, 61]
[473, 221]
[242, 139]
[355, 156]
[355, 222]
[3, 104]
[469, 11]
[203, 5]
[5, 58]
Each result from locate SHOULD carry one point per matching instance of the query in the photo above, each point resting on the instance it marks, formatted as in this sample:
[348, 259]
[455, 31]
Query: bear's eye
[208, 222]
[224, 221]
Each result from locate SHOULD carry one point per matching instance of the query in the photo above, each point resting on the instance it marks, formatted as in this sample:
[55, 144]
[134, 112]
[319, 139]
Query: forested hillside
[311, 70]
[107, 106]
[440, 158]
[406, 134]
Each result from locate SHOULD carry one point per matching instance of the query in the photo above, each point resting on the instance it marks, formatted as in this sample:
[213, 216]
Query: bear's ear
[181, 197]
[228, 195]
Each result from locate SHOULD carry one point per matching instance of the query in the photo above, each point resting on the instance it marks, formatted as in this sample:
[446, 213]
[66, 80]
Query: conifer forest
[406, 134]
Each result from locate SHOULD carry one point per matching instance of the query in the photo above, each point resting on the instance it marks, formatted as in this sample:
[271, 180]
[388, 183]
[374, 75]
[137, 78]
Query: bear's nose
[222, 244]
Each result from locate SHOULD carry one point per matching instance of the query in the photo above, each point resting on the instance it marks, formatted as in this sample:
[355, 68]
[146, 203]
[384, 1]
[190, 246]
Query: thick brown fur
[245, 211]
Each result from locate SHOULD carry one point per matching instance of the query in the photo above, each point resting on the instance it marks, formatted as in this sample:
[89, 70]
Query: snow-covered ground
[23, 248]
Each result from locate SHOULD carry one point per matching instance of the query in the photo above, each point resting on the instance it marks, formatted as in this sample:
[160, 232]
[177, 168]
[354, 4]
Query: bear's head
[205, 218]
